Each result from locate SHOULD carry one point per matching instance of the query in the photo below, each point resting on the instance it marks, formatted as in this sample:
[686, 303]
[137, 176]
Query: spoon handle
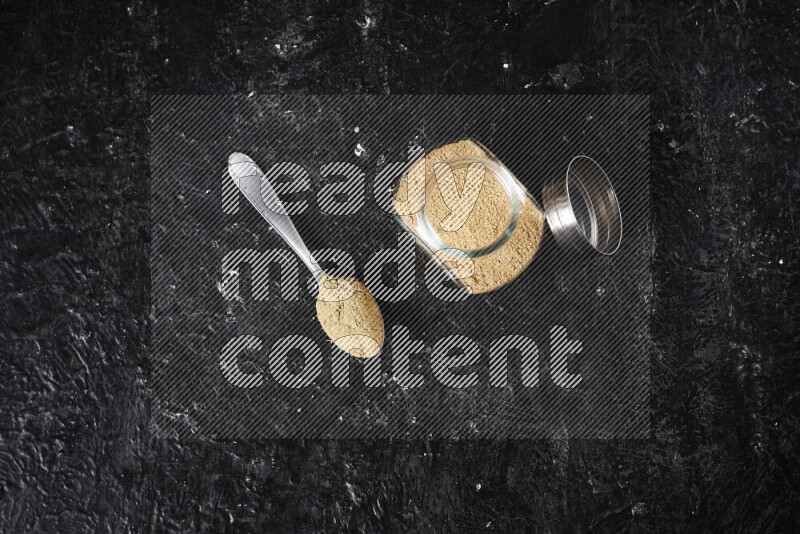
[251, 182]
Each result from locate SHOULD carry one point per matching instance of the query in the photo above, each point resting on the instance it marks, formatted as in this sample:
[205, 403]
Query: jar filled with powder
[470, 214]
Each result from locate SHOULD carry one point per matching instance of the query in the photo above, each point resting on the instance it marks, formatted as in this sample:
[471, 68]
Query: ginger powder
[498, 247]
[350, 316]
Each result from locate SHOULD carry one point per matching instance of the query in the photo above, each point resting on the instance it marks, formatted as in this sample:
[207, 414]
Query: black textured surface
[192, 321]
[76, 452]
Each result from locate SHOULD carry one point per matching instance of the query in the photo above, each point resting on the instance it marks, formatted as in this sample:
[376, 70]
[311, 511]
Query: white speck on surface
[356, 129]
[701, 69]
[360, 150]
[166, 61]
[780, 261]
[278, 46]
[352, 493]
[478, 486]
[251, 93]
[505, 65]
[528, 85]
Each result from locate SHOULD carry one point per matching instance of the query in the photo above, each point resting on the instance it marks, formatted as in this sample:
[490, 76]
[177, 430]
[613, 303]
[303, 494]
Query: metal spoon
[249, 179]
[352, 320]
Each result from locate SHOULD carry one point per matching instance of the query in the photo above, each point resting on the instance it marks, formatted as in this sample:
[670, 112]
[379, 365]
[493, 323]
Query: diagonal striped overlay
[237, 351]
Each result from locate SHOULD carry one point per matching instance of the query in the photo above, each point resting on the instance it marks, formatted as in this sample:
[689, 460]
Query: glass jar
[470, 214]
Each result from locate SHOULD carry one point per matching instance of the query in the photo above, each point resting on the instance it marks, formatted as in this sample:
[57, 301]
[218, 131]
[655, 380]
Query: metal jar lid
[582, 209]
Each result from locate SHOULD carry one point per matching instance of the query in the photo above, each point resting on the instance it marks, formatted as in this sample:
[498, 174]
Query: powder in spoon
[486, 223]
[350, 316]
